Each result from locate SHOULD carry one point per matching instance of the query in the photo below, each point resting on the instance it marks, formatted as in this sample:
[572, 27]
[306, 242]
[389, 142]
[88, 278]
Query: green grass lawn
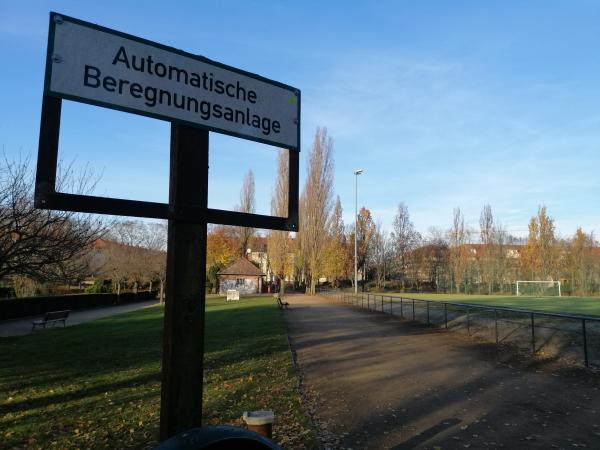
[97, 385]
[589, 306]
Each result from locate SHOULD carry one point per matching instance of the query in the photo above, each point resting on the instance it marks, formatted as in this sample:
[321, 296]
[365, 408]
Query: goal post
[538, 288]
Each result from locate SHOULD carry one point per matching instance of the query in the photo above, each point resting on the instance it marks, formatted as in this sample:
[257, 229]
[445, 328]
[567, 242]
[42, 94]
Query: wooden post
[468, 322]
[585, 347]
[532, 335]
[183, 339]
[446, 314]
[496, 324]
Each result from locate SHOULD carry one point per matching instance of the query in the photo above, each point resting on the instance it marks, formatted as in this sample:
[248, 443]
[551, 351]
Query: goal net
[538, 288]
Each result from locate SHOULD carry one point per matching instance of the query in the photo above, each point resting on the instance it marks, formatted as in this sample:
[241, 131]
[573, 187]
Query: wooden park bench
[52, 317]
[280, 302]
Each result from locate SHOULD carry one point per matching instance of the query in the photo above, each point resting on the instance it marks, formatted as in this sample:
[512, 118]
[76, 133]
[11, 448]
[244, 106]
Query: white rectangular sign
[96, 65]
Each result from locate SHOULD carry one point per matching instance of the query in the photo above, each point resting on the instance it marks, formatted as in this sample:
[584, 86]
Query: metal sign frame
[46, 196]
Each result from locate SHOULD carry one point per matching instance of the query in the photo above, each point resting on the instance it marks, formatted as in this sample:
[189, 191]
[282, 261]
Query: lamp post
[357, 172]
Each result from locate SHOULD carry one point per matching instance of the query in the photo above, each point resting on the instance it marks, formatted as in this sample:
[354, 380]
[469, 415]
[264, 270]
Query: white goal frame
[532, 281]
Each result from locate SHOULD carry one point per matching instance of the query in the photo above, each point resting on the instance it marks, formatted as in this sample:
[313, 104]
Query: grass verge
[97, 385]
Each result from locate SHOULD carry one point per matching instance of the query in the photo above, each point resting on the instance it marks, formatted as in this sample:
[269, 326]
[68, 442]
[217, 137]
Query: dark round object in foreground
[220, 437]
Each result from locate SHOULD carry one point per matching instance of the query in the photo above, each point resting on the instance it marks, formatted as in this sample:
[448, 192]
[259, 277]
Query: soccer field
[588, 306]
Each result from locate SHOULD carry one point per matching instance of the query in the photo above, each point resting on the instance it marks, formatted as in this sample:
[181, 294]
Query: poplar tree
[244, 235]
[365, 234]
[581, 262]
[336, 265]
[316, 206]
[277, 240]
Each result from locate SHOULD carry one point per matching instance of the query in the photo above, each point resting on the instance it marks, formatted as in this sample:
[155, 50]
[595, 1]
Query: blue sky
[443, 104]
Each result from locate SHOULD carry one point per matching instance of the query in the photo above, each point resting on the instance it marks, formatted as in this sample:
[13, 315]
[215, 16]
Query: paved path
[377, 382]
[22, 326]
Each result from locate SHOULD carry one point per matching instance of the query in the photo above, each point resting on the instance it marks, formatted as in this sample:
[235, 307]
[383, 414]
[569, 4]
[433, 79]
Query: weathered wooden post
[183, 336]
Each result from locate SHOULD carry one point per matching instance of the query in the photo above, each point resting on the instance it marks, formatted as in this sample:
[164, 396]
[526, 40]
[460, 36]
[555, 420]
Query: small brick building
[243, 276]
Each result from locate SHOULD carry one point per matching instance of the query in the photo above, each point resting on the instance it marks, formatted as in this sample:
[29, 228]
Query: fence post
[368, 302]
[446, 314]
[391, 307]
[468, 321]
[382, 303]
[413, 302]
[401, 308]
[532, 335]
[428, 314]
[585, 347]
[496, 324]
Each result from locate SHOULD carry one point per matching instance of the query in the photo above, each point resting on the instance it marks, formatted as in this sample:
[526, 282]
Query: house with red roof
[243, 276]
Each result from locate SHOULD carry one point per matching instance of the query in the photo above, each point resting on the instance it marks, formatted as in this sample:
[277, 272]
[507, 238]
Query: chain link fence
[574, 339]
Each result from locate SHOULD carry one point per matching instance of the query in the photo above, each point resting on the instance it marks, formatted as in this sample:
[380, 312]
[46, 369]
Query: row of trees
[311, 254]
[62, 247]
[132, 254]
[41, 250]
[458, 259]
[462, 259]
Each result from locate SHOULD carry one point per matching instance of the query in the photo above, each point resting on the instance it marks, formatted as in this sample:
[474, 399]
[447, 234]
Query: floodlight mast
[357, 172]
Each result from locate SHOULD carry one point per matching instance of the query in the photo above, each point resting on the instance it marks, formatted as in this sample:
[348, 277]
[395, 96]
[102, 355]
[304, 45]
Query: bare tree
[316, 207]
[459, 258]
[156, 242]
[381, 255]
[277, 241]
[244, 235]
[40, 244]
[125, 261]
[135, 252]
[487, 254]
[417, 262]
[499, 256]
[432, 255]
[404, 238]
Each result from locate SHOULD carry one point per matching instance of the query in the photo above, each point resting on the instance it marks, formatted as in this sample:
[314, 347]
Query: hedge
[31, 306]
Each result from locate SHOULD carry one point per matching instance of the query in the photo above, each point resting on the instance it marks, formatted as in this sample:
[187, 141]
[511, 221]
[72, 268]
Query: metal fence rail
[573, 338]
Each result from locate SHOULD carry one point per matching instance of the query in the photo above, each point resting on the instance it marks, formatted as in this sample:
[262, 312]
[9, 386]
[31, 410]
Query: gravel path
[19, 327]
[376, 382]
